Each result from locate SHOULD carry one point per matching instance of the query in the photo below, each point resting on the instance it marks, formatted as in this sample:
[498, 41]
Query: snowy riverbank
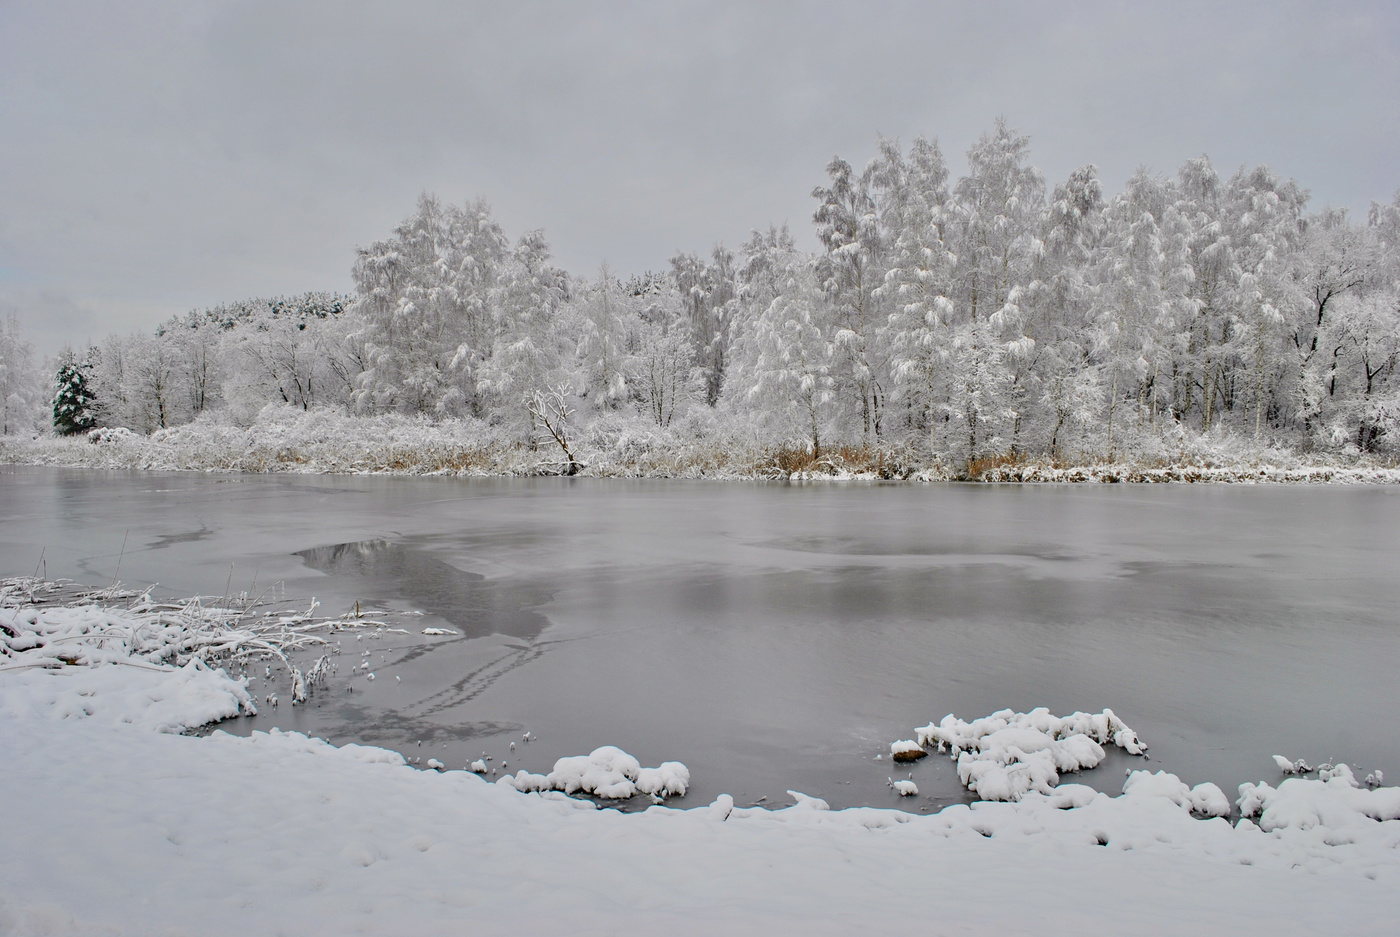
[330, 442]
[115, 824]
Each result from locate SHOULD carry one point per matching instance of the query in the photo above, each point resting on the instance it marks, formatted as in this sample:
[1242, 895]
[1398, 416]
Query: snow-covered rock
[907, 750]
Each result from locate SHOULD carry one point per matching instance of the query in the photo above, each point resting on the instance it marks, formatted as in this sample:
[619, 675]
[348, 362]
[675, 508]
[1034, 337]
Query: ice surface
[1059, 595]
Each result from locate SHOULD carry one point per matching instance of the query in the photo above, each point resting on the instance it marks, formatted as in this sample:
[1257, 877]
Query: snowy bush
[702, 443]
[1007, 754]
[606, 772]
[182, 649]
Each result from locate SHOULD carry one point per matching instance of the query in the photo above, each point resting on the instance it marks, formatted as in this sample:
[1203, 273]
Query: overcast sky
[159, 157]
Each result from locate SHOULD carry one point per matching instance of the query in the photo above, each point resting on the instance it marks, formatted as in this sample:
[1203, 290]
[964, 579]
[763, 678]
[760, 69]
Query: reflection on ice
[384, 568]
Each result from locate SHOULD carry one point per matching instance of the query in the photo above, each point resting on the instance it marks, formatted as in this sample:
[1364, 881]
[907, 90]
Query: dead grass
[977, 469]
[874, 461]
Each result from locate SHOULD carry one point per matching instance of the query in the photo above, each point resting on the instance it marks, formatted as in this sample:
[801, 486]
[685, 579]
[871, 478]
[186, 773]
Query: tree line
[970, 318]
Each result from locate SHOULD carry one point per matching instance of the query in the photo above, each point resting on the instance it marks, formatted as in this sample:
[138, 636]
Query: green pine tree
[73, 404]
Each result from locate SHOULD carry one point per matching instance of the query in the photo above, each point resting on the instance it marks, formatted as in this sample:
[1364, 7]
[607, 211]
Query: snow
[905, 787]
[1203, 800]
[607, 772]
[1008, 754]
[906, 750]
[704, 445]
[115, 824]
[669, 779]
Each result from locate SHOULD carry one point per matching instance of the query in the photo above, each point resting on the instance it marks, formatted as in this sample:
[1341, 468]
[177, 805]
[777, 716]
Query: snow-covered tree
[998, 212]
[1139, 300]
[1051, 375]
[74, 406]
[1267, 223]
[534, 351]
[426, 307]
[278, 361]
[1335, 259]
[1363, 406]
[154, 384]
[1203, 363]
[978, 373]
[917, 286]
[608, 320]
[783, 360]
[661, 371]
[21, 386]
[998, 209]
[849, 272]
[707, 291]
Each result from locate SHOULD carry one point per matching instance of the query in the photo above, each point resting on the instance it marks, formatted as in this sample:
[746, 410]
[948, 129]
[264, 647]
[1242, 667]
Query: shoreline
[157, 831]
[363, 458]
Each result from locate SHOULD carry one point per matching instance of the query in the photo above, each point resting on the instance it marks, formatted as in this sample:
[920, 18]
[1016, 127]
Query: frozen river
[777, 636]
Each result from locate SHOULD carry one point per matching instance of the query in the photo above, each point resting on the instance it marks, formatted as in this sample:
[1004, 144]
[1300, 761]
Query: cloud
[174, 155]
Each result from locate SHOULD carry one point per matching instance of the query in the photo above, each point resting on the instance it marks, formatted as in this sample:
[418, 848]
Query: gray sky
[158, 157]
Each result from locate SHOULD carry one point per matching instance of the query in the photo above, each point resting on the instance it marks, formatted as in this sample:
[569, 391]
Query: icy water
[776, 636]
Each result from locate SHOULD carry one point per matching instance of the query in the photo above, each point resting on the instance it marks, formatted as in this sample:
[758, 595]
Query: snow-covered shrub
[184, 646]
[1007, 754]
[606, 772]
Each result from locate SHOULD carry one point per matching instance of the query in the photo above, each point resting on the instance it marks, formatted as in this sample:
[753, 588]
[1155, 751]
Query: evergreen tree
[74, 409]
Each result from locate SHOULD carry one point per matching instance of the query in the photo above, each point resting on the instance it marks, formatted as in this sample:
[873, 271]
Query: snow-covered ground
[115, 823]
[332, 442]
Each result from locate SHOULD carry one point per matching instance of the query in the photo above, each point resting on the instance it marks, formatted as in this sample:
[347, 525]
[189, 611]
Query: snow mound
[606, 772]
[161, 699]
[1335, 804]
[904, 788]
[1008, 754]
[669, 779]
[1203, 800]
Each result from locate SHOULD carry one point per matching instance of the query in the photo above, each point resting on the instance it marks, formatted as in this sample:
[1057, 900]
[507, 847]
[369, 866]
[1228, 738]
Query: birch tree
[849, 271]
[426, 311]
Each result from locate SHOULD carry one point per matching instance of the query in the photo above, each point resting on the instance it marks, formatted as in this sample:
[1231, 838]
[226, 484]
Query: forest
[972, 320]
